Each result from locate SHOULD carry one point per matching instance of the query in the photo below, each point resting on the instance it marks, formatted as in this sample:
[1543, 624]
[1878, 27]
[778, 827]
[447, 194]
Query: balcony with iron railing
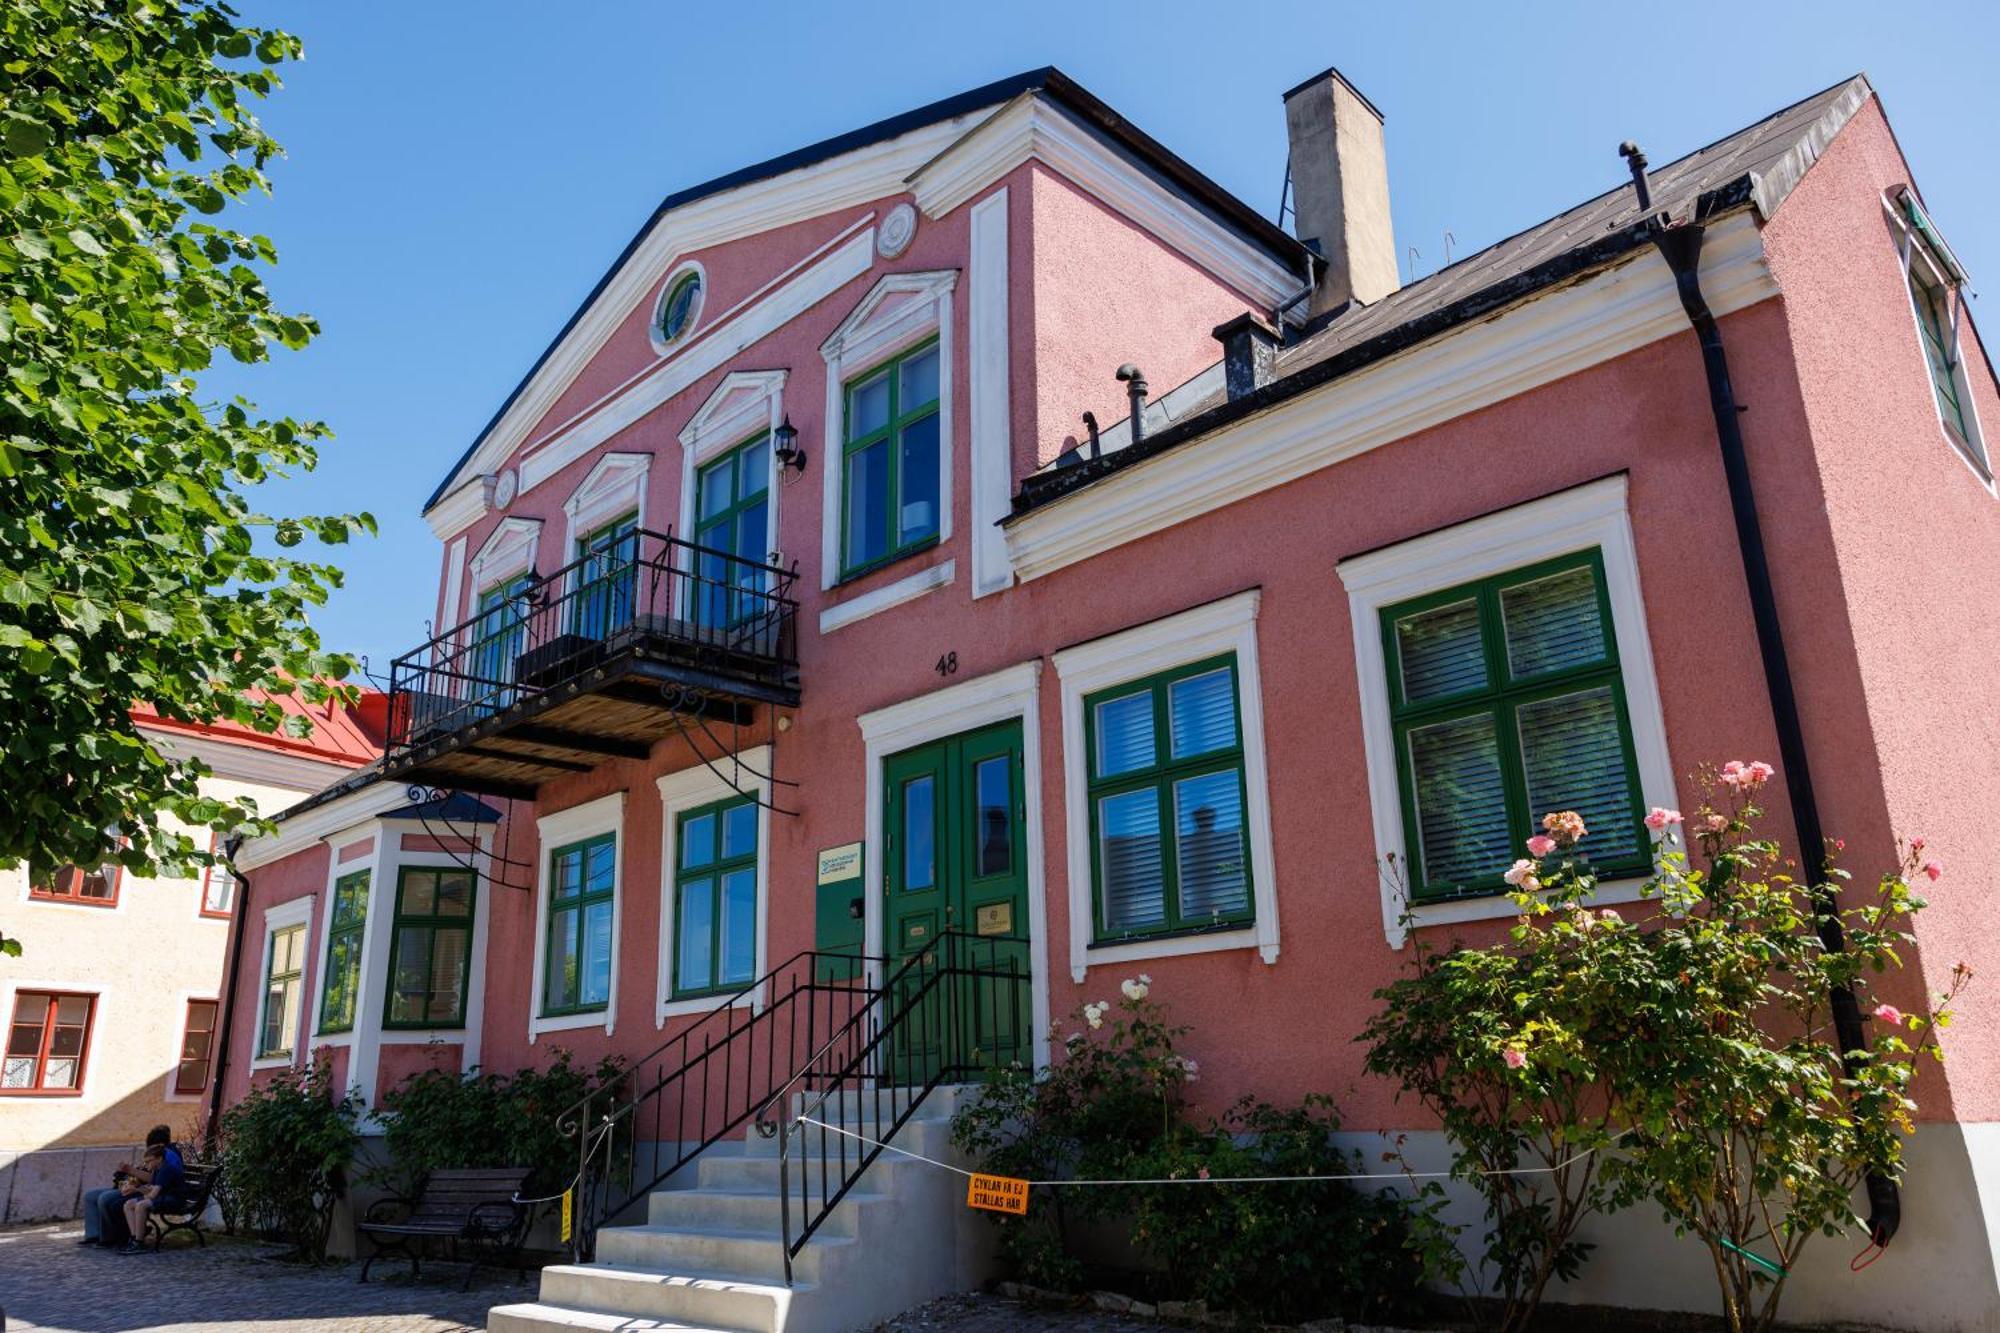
[599, 660]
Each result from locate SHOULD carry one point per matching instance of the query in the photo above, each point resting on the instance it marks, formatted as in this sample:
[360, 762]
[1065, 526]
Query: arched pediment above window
[508, 550]
[615, 487]
[897, 311]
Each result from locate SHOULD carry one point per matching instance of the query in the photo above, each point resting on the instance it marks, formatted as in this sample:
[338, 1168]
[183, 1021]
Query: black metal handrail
[706, 1082]
[713, 609]
[928, 1024]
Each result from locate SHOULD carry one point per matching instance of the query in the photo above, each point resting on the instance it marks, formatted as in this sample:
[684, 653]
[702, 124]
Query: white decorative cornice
[508, 550]
[461, 508]
[1474, 366]
[738, 409]
[1033, 127]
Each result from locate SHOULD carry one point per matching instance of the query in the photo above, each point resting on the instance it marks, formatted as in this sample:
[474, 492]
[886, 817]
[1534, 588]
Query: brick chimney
[1340, 190]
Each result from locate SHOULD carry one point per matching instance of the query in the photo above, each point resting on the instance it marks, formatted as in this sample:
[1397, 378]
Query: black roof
[1757, 165]
[1048, 80]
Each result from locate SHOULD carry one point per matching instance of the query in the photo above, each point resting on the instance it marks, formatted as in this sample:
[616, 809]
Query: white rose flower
[1135, 990]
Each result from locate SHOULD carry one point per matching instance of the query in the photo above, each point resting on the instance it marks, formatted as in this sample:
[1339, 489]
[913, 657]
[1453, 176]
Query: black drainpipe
[220, 1064]
[1680, 246]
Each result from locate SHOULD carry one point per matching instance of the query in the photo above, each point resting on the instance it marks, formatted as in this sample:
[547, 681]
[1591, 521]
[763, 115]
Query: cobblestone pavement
[50, 1284]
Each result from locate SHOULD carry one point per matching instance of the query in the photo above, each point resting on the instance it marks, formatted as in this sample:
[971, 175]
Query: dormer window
[1937, 300]
[680, 306]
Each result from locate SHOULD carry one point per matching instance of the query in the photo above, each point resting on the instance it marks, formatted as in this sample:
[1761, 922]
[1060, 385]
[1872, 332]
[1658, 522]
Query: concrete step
[759, 1254]
[747, 1175]
[698, 1297]
[541, 1317]
[743, 1210]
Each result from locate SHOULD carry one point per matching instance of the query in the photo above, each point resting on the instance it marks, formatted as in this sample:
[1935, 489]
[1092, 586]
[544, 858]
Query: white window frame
[1225, 626]
[616, 486]
[662, 345]
[900, 311]
[368, 835]
[747, 403]
[1009, 694]
[1912, 251]
[1587, 516]
[606, 814]
[508, 550]
[283, 916]
[746, 774]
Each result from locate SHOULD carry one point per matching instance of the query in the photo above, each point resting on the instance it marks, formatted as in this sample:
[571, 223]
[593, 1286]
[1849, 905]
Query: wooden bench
[476, 1209]
[164, 1222]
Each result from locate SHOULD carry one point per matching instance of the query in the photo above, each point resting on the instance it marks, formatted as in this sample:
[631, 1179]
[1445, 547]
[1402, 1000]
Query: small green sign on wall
[839, 911]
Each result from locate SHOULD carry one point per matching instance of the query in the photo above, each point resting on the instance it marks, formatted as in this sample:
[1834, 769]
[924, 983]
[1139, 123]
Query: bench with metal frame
[187, 1216]
[477, 1209]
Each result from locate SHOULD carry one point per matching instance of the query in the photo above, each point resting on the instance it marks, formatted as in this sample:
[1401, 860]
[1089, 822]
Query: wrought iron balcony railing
[647, 603]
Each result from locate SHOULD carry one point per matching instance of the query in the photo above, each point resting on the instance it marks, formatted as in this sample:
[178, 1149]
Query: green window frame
[715, 898]
[1507, 701]
[679, 307]
[502, 630]
[891, 464]
[582, 927]
[284, 977]
[1940, 353]
[430, 947]
[608, 578]
[733, 518]
[1165, 756]
[346, 921]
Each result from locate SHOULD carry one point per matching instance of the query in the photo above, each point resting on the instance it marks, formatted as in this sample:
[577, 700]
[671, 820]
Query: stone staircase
[709, 1257]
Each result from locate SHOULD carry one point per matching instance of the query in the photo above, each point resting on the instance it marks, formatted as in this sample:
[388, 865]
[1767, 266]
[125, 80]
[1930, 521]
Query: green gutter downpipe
[1680, 246]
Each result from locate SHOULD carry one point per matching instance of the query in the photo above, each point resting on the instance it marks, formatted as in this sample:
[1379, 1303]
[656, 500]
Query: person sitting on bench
[104, 1209]
[165, 1191]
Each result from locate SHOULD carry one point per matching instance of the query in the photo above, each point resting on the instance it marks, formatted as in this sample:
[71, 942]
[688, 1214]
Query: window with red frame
[197, 1041]
[218, 885]
[47, 1042]
[70, 884]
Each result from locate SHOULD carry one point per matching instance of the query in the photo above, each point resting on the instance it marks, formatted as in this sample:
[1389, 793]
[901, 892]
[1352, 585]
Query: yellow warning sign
[566, 1216]
[999, 1194]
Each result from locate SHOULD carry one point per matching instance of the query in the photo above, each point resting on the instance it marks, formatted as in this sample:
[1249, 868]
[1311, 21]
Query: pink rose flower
[1660, 817]
[1933, 870]
[1916, 844]
[1515, 1057]
[1715, 824]
[1889, 1013]
[1747, 777]
[1565, 826]
[1522, 876]
[1541, 845]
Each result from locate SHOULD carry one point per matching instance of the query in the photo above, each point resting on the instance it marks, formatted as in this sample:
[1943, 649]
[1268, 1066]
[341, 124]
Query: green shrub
[1112, 1106]
[285, 1148]
[439, 1119]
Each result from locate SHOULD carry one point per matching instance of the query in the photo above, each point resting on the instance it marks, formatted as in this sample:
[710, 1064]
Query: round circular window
[680, 306]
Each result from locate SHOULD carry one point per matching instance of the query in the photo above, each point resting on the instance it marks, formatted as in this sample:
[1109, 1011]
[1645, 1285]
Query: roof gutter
[1680, 246]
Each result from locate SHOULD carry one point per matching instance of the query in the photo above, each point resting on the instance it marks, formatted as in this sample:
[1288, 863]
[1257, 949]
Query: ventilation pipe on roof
[1340, 191]
[1680, 245]
[1135, 394]
[1249, 353]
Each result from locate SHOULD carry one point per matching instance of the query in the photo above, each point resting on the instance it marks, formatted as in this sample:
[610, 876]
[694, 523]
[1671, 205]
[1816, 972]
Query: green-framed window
[715, 898]
[679, 307]
[890, 470]
[430, 947]
[582, 884]
[606, 580]
[733, 518]
[501, 631]
[284, 977]
[1507, 703]
[343, 952]
[1940, 351]
[1170, 850]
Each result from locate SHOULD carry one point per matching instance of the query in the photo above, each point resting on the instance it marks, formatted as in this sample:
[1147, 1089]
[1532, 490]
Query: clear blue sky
[460, 174]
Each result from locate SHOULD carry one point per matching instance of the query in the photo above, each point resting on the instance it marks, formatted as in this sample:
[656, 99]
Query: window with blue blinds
[1507, 704]
[1169, 850]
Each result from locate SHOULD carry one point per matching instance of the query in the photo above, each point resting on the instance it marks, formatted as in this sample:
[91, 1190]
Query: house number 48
[948, 665]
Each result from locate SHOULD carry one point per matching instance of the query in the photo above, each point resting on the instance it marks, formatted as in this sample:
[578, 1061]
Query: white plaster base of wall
[1942, 1274]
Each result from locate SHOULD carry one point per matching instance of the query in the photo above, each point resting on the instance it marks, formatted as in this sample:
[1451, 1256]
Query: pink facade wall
[1086, 294]
[1105, 293]
[273, 885]
[1914, 538]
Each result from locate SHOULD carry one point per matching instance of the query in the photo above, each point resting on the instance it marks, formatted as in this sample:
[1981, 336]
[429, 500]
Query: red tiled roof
[339, 735]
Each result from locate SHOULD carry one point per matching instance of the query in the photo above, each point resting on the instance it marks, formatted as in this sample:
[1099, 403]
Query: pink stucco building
[819, 589]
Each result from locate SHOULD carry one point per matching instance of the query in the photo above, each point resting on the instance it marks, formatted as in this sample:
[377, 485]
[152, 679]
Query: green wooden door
[956, 860]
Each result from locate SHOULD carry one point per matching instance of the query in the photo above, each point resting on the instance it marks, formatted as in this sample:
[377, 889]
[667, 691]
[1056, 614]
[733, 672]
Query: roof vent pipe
[1135, 394]
[1249, 353]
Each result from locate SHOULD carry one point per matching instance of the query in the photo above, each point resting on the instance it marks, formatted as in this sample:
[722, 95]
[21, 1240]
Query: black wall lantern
[785, 446]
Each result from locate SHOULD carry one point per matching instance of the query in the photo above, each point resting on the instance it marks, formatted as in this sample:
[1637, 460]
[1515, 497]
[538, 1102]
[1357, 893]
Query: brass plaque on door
[995, 919]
